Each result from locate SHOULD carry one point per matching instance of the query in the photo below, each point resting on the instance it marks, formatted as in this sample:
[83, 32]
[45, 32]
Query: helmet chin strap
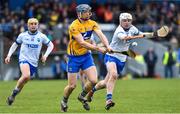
[84, 19]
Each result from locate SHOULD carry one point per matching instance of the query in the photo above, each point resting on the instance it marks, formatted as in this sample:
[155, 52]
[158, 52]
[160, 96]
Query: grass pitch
[130, 96]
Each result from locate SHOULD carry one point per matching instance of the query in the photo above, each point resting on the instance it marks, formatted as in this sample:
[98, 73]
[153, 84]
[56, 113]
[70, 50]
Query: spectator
[169, 60]
[174, 42]
[31, 12]
[54, 17]
[140, 59]
[64, 43]
[108, 14]
[178, 59]
[63, 65]
[150, 58]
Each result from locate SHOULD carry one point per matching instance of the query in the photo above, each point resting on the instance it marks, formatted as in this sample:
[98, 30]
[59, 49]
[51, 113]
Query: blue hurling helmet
[83, 8]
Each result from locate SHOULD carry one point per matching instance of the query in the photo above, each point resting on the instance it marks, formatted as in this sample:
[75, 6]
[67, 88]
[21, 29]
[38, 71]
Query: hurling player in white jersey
[115, 62]
[30, 46]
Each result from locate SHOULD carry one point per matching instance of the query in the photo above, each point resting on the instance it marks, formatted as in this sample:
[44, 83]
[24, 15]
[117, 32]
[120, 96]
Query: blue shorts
[75, 63]
[120, 65]
[33, 69]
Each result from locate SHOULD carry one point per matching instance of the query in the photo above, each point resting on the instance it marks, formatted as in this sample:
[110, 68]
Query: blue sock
[84, 93]
[94, 89]
[108, 96]
[15, 92]
[65, 99]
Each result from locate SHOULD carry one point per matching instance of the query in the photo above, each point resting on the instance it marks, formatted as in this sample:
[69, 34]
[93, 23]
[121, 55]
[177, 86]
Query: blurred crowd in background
[147, 16]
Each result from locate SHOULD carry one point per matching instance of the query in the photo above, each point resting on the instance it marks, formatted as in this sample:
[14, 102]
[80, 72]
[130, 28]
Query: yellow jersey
[85, 29]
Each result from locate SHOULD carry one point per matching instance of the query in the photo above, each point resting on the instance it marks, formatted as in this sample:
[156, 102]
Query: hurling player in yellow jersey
[79, 55]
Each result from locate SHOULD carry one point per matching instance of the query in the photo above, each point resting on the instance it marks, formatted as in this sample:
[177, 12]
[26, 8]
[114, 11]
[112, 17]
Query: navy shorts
[75, 63]
[33, 69]
[120, 65]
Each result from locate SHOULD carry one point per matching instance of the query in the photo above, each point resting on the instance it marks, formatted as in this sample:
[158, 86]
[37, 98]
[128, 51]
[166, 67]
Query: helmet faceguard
[125, 20]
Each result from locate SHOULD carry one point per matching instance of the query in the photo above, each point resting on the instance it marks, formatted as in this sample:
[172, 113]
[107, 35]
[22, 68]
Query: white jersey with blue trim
[31, 45]
[119, 44]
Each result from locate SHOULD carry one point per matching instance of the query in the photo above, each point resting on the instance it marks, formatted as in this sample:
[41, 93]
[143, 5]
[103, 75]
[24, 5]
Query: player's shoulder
[133, 28]
[119, 29]
[23, 33]
[41, 34]
[92, 21]
[75, 23]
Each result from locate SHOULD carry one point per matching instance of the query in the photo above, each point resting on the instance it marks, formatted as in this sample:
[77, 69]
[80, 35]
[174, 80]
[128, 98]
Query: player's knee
[114, 76]
[26, 78]
[93, 82]
[72, 86]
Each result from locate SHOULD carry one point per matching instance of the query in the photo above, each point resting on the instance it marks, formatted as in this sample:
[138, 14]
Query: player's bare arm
[162, 32]
[87, 45]
[133, 37]
[103, 39]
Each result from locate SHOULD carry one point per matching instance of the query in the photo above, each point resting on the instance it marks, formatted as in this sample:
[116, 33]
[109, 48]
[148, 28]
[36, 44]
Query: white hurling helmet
[125, 16]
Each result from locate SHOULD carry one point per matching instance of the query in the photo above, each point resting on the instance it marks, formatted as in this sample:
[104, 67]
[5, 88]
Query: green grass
[131, 96]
